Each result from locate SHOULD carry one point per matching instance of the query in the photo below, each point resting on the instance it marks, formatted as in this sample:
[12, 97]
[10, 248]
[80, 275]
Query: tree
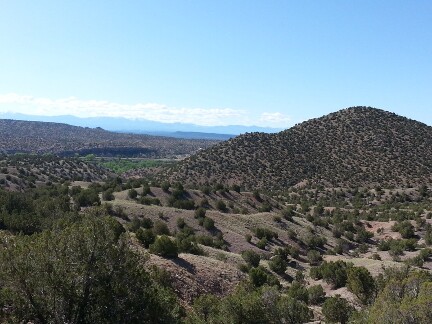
[337, 310]
[335, 273]
[361, 283]
[316, 295]
[298, 291]
[82, 273]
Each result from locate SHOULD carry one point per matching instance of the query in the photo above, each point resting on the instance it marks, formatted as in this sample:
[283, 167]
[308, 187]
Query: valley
[330, 220]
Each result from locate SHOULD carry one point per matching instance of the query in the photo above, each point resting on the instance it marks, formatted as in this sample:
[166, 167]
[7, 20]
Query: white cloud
[275, 118]
[151, 111]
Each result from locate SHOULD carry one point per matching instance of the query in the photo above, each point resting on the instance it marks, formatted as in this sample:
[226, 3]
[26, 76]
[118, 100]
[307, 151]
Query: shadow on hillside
[189, 267]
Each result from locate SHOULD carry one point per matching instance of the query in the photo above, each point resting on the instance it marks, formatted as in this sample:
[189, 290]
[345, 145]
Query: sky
[255, 62]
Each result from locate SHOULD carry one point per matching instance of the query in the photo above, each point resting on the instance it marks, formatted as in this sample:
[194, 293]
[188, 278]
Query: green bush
[298, 292]
[251, 257]
[361, 283]
[314, 257]
[164, 247]
[261, 244]
[337, 310]
[316, 295]
[132, 193]
[278, 264]
[208, 223]
[108, 195]
[220, 204]
[160, 228]
[84, 272]
[405, 228]
[146, 237]
[165, 186]
[200, 213]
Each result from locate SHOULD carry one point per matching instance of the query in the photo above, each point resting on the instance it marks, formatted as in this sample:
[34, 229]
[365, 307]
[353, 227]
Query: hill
[63, 139]
[358, 146]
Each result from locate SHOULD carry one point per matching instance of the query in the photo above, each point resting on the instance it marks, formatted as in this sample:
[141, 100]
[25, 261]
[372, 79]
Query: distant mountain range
[354, 147]
[142, 126]
[18, 136]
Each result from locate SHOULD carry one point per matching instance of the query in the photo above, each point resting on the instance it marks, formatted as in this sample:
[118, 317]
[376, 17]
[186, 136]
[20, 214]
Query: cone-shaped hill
[359, 146]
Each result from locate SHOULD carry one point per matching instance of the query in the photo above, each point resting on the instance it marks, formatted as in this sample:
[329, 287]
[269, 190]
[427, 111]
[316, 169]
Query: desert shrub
[248, 238]
[149, 201]
[334, 273]
[135, 224]
[146, 222]
[236, 188]
[404, 296]
[261, 232]
[249, 305]
[288, 213]
[261, 244]
[146, 190]
[181, 223]
[164, 247]
[160, 228]
[361, 283]
[132, 193]
[186, 243]
[200, 213]
[314, 257]
[259, 276]
[316, 295]
[208, 223]
[265, 208]
[146, 237]
[294, 252]
[314, 241]
[165, 186]
[299, 292]
[251, 257]
[278, 264]
[220, 204]
[86, 198]
[108, 195]
[277, 219]
[337, 310]
[405, 228]
[206, 190]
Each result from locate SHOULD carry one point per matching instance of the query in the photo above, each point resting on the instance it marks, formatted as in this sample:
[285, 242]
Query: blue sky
[268, 63]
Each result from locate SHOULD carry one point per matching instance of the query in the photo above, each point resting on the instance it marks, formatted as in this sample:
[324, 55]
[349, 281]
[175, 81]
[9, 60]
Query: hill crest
[357, 146]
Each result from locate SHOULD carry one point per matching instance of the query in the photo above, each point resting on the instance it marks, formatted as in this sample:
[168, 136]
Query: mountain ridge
[139, 126]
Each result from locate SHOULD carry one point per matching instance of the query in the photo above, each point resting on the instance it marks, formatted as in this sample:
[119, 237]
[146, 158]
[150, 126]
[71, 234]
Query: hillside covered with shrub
[359, 146]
